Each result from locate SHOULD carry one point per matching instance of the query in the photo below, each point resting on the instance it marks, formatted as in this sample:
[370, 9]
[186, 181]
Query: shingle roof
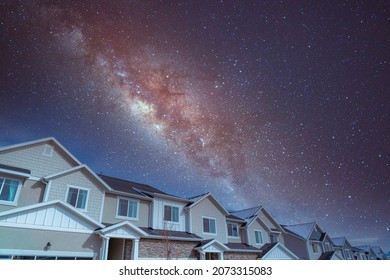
[170, 233]
[327, 255]
[302, 230]
[266, 248]
[17, 169]
[246, 214]
[130, 187]
[338, 241]
[242, 247]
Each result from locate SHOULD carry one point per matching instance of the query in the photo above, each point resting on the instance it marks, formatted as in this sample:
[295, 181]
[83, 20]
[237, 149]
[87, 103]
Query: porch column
[134, 251]
[106, 241]
[221, 256]
[202, 255]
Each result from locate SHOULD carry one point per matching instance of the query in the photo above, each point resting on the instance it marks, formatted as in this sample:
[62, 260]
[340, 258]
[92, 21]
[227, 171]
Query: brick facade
[165, 249]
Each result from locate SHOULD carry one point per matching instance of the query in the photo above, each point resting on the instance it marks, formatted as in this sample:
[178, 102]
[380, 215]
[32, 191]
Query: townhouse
[309, 242]
[52, 206]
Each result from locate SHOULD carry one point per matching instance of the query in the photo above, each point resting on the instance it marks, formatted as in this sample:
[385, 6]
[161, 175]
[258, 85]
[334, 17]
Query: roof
[247, 214]
[130, 187]
[233, 217]
[302, 230]
[242, 247]
[199, 198]
[267, 247]
[338, 241]
[50, 140]
[16, 169]
[170, 234]
[327, 255]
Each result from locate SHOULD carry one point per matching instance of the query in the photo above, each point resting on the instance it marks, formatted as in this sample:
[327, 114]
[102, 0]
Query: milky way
[262, 103]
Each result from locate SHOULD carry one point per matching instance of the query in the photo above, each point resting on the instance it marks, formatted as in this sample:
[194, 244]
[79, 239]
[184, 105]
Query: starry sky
[283, 104]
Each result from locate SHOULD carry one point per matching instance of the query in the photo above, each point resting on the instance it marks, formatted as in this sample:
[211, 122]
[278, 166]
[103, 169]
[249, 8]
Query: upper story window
[8, 190]
[258, 237]
[209, 225]
[48, 150]
[348, 254]
[171, 213]
[127, 208]
[232, 230]
[327, 247]
[273, 237]
[77, 197]
[314, 247]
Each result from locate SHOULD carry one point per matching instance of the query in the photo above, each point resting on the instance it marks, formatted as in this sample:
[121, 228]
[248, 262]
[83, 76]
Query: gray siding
[110, 209]
[206, 208]
[264, 232]
[31, 192]
[32, 158]
[59, 186]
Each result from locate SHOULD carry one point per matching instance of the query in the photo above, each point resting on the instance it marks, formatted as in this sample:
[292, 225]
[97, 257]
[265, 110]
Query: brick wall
[128, 249]
[240, 256]
[166, 249]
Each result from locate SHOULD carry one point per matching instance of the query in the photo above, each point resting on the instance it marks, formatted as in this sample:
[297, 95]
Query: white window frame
[79, 188]
[237, 230]
[178, 214]
[273, 234]
[48, 150]
[261, 236]
[15, 201]
[117, 216]
[215, 222]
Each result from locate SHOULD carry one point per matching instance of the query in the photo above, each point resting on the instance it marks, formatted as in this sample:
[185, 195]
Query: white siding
[264, 231]
[158, 215]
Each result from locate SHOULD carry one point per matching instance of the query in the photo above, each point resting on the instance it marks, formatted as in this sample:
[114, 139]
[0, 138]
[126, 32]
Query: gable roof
[55, 214]
[205, 244]
[301, 230]
[48, 140]
[251, 214]
[197, 199]
[268, 249]
[330, 255]
[83, 168]
[242, 247]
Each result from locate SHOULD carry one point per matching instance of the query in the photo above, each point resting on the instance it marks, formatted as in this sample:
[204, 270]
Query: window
[315, 248]
[232, 230]
[348, 254]
[127, 208]
[48, 150]
[171, 213]
[258, 237]
[8, 189]
[327, 247]
[273, 237]
[209, 226]
[77, 197]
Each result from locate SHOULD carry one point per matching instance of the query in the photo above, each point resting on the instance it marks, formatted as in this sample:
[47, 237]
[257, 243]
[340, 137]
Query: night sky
[274, 103]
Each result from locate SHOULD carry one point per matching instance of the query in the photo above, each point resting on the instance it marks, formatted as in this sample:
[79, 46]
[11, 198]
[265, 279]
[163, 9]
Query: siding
[158, 215]
[297, 246]
[32, 239]
[32, 158]
[207, 208]
[59, 186]
[31, 192]
[110, 209]
[257, 226]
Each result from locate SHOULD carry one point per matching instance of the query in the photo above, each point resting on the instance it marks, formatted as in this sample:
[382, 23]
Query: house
[380, 254]
[260, 230]
[359, 253]
[343, 247]
[52, 206]
[309, 242]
